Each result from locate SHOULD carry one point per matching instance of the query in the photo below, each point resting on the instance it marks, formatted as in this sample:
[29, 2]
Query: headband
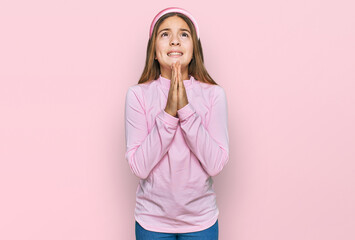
[173, 9]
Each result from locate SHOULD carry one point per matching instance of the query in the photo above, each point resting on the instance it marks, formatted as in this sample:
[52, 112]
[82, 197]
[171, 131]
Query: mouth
[174, 54]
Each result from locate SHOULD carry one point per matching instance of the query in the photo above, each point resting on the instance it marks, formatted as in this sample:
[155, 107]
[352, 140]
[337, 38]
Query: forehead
[173, 21]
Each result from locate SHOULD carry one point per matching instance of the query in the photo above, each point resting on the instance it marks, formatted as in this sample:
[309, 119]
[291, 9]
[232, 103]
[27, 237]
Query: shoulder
[212, 90]
[134, 92]
[141, 91]
[144, 87]
[219, 93]
[219, 90]
[140, 87]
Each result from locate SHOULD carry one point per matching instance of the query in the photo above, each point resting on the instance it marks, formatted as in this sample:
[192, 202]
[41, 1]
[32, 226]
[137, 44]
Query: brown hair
[196, 66]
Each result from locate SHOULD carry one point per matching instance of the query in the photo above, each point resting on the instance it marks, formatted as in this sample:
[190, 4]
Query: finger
[182, 81]
[181, 85]
[176, 76]
[176, 83]
[171, 82]
[180, 77]
[173, 71]
[172, 78]
[178, 73]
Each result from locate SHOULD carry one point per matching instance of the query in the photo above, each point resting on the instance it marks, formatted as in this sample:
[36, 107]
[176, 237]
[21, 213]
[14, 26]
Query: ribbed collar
[165, 82]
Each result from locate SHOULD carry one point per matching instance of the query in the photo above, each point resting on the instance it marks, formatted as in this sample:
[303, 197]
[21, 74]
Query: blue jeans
[210, 233]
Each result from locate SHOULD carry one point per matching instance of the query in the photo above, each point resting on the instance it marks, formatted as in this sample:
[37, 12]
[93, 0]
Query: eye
[185, 34]
[163, 34]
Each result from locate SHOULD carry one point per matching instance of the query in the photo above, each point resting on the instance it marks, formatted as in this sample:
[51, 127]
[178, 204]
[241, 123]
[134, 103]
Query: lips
[174, 52]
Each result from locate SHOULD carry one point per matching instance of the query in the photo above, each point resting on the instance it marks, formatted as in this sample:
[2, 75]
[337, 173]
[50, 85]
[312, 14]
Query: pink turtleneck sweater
[176, 157]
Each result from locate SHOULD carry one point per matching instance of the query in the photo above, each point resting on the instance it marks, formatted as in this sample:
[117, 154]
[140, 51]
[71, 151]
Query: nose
[175, 41]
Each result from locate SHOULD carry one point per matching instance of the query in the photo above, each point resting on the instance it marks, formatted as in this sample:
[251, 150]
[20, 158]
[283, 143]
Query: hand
[177, 97]
[171, 104]
[182, 96]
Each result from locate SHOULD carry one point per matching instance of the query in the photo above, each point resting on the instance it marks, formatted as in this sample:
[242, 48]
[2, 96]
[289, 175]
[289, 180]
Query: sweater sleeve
[210, 145]
[145, 149]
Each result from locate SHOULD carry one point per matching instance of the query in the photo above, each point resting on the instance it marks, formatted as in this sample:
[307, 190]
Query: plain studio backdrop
[288, 69]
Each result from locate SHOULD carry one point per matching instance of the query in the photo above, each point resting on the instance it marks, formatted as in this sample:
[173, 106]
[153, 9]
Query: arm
[211, 145]
[144, 150]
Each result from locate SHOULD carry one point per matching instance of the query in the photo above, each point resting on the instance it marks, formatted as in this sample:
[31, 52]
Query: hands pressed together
[177, 97]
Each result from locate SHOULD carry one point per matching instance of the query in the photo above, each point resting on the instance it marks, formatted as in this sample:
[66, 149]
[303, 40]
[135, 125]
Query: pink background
[288, 71]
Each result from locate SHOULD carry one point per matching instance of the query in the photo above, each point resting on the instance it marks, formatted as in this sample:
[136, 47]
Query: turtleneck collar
[165, 82]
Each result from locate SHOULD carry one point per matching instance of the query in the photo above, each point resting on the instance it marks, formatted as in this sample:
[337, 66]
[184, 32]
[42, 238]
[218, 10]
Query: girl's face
[174, 35]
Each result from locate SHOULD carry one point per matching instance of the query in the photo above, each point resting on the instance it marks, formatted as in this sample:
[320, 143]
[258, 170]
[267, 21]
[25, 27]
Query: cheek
[191, 52]
[190, 47]
[159, 51]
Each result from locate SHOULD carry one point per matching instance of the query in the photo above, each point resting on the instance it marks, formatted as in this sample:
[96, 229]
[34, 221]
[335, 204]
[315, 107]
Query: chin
[180, 60]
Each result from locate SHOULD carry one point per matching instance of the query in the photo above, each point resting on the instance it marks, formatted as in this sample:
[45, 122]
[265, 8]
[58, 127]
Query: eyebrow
[182, 29]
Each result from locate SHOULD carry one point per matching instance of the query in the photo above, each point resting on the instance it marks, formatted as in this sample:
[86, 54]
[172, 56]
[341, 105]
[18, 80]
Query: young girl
[176, 134]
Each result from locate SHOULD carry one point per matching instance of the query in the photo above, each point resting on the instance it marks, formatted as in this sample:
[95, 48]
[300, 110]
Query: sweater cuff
[167, 118]
[186, 112]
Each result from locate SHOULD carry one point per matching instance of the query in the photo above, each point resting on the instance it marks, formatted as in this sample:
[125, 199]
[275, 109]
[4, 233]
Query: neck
[166, 73]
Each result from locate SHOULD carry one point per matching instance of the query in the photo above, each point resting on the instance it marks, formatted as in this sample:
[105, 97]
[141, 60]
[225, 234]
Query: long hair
[196, 66]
